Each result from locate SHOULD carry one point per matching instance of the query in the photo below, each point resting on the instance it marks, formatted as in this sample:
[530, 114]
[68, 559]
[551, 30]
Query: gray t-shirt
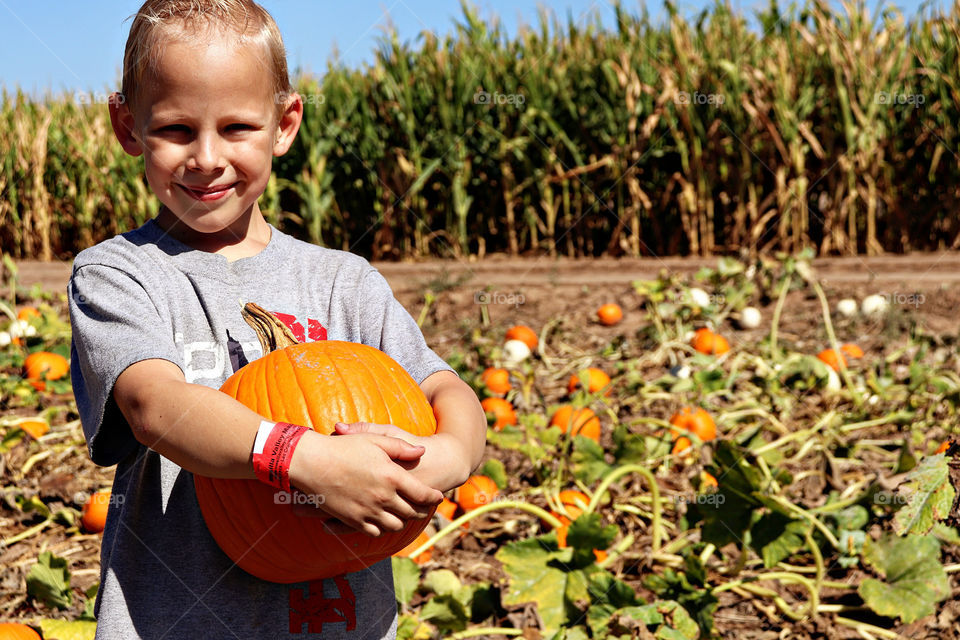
[144, 295]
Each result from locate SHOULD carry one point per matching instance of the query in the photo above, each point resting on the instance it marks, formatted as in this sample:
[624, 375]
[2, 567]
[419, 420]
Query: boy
[157, 329]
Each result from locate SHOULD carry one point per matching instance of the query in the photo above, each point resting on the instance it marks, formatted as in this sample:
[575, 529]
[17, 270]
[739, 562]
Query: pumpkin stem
[273, 334]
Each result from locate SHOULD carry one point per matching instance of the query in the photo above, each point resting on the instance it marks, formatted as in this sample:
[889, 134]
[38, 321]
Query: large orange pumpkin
[316, 385]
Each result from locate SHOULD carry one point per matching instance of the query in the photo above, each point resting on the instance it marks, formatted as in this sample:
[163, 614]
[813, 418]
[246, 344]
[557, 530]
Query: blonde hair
[252, 23]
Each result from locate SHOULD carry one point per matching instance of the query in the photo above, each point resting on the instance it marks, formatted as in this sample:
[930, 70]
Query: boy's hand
[361, 481]
[443, 465]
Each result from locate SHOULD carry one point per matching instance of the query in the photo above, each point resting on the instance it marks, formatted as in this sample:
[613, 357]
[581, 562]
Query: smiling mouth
[211, 193]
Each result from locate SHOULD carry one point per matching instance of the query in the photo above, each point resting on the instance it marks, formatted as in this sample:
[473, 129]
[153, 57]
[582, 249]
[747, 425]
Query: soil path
[908, 272]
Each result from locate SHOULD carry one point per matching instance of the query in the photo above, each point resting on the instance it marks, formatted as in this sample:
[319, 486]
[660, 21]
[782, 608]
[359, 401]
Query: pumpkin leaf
[68, 629]
[777, 537]
[406, 578]
[447, 613]
[928, 496]
[589, 462]
[442, 582]
[49, 581]
[91, 594]
[495, 470]
[539, 572]
[664, 619]
[914, 578]
[587, 533]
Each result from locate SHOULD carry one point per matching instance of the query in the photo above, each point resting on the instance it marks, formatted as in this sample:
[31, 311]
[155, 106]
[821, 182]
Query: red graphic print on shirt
[313, 610]
[315, 330]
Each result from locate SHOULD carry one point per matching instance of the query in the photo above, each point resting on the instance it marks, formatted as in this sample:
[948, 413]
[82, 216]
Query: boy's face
[207, 126]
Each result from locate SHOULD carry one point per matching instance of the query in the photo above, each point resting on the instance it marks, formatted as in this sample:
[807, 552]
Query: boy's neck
[233, 244]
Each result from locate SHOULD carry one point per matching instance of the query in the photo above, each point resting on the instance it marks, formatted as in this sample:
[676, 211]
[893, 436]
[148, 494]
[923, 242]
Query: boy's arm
[458, 446]
[210, 433]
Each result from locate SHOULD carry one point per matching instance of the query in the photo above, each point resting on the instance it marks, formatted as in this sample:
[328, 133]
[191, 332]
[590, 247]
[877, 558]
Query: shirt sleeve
[115, 324]
[385, 324]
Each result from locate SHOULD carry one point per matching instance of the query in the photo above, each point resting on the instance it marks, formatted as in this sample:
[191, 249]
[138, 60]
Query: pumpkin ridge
[300, 380]
[397, 377]
[343, 398]
[362, 362]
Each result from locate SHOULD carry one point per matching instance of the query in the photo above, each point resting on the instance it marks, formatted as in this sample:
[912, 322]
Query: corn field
[833, 129]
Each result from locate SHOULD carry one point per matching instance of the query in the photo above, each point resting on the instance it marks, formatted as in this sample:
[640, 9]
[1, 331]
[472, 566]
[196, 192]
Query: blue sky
[59, 45]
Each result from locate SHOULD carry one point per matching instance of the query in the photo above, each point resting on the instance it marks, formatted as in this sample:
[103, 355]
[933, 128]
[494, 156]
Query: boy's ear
[121, 117]
[289, 124]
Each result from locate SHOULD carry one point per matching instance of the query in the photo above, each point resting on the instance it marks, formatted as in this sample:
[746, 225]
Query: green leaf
[49, 581]
[777, 537]
[91, 594]
[587, 533]
[589, 461]
[915, 579]
[442, 582]
[507, 438]
[628, 447]
[68, 629]
[674, 586]
[537, 571]
[406, 577]
[495, 470]
[928, 495]
[446, 612]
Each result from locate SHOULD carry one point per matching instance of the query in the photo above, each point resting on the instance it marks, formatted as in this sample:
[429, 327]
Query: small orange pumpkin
[695, 420]
[424, 556]
[609, 314]
[574, 503]
[707, 480]
[682, 447]
[852, 350]
[706, 341]
[447, 509]
[40, 364]
[94, 517]
[17, 631]
[36, 428]
[836, 360]
[496, 380]
[524, 334]
[476, 492]
[26, 313]
[592, 378]
[582, 422]
[502, 411]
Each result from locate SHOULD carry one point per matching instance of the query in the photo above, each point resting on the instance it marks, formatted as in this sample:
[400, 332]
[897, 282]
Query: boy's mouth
[209, 193]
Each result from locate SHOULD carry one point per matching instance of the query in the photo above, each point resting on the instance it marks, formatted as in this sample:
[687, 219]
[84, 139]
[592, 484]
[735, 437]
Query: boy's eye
[174, 128]
[239, 126]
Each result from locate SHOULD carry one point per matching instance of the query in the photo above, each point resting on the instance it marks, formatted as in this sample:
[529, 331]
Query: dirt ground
[533, 290]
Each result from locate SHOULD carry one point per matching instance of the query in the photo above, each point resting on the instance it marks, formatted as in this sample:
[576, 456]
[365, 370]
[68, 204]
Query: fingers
[398, 449]
[366, 427]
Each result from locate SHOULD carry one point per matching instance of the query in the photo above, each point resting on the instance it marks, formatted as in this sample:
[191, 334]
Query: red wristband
[273, 451]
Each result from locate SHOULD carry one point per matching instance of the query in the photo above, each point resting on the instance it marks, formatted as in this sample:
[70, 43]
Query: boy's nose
[205, 155]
